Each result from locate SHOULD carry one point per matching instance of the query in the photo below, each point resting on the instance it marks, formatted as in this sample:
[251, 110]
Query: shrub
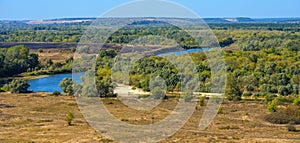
[283, 90]
[69, 118]
[17, 86]
[220, 110]
[285, 116]
[249, 87]
[278, 118]
[158, 93]
[67, 86]
[229, 127]
[256, 94]
[285, 99]
[269, 98]
[41, 50]
[296, 101]
[188, 96]
[272, 106]
[56, 93]
[201, 100]
[247, 93]
[291, 128]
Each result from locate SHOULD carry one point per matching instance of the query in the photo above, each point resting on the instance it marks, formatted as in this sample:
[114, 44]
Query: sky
[50, 9]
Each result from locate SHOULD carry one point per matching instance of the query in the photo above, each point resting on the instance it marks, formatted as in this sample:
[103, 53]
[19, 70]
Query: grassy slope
[39, 117]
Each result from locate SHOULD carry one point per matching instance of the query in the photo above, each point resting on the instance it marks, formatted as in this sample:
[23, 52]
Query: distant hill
[207, 20]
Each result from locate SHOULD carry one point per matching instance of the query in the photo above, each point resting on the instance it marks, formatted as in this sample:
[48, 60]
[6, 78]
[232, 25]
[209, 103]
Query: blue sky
[49, 9]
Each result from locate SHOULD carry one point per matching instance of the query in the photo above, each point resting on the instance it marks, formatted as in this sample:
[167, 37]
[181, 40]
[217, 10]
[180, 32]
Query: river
[51, 83]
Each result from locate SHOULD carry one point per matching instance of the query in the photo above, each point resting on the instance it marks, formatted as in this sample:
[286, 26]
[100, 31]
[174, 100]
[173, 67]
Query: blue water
[51, 83]
[179, 53]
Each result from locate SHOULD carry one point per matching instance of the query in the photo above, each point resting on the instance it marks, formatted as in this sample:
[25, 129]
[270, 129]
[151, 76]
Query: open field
[39, 117]
[55, 54]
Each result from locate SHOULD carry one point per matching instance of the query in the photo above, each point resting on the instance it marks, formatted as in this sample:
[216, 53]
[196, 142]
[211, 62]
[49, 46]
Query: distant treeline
[72, 32]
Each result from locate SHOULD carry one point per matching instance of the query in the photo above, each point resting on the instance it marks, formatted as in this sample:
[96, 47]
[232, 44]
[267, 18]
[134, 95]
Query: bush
[229, 127]
[278, 118]
[285, 99]
[220, 110]
[41, 50]
[272, 106]
[67, 86]
[17, 86]
[285, 116]
[256, 94]
[158, 93]
[247, 93]
[201, 100]
[249, 88]
[69, 118]
[188, 96]
[296, 101]
[56, 93]
[269, 98]
[291, 128]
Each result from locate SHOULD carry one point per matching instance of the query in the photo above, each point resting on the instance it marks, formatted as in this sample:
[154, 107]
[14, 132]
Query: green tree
[17, 86]
[233, 91]
[272, 106]
[296, 101]
[48, 63]
[158, 93]
[187, 96]
[67, 86]
[104, 83]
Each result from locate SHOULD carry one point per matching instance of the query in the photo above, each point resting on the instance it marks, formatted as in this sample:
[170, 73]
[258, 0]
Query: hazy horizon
[56, 9]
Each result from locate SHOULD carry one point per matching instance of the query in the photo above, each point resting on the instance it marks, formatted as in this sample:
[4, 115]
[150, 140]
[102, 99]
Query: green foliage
[285, 99]
[17, 86]
[226, 42]
[269, 98]
[67, 86]
[291, 128]
[56, 93]
[104, 83]
[229, 127]
[201, 100]
[187, 96]
[247, 94]
[16, 60]
[220, 110]
[272, 106]
[69, 118]
[40, 50]
[285, 116]
[48, 63]
[296, 101]
[158, 93]
[233, 91]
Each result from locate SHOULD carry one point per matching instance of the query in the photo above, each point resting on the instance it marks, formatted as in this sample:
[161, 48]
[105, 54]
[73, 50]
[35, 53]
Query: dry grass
[40, 118]
[57, 55]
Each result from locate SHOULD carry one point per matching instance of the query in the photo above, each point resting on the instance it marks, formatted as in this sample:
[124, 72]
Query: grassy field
[40, 117]
[56, 55]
